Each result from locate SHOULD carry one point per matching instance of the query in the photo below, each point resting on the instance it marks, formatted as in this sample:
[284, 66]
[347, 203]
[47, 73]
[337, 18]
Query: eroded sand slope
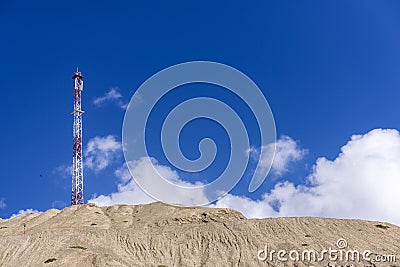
[163, 235]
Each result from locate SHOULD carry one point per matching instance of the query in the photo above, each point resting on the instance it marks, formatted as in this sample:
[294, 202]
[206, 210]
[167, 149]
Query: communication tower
[77, 159]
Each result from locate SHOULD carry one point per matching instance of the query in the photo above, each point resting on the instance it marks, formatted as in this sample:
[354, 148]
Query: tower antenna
[77, 159]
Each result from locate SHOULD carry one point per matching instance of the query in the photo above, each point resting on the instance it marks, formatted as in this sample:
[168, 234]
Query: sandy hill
[163, 235]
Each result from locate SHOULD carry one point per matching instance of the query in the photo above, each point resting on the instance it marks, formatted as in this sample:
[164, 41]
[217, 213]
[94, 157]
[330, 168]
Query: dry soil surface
[158, 234]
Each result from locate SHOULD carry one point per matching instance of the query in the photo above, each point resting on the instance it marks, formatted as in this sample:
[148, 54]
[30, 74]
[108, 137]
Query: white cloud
[20, 212]
[286, 151]
[100, 152]
[250, 208]
[130, 193]
[123, 173]
[2, 203]
[362, 182]
[113, 95]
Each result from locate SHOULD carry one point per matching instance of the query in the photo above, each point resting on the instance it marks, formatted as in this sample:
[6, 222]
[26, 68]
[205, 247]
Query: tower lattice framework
[77, 158]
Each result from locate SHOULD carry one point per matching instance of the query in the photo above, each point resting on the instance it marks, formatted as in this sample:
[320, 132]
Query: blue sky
[329, 70]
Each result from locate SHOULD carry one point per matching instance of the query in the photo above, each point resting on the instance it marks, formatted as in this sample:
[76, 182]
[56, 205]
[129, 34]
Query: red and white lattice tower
[77, 159]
